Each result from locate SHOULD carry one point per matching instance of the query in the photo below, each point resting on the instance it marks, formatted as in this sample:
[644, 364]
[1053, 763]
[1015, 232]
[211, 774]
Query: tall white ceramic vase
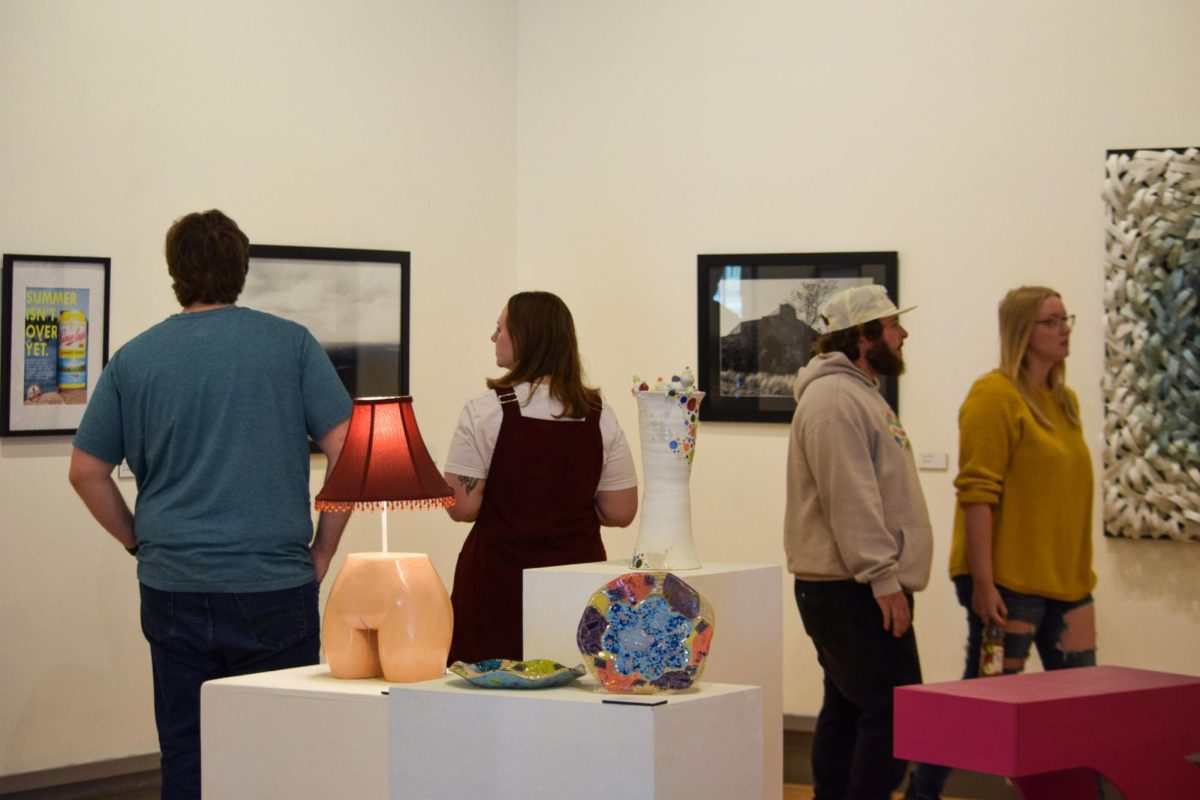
[667, 430]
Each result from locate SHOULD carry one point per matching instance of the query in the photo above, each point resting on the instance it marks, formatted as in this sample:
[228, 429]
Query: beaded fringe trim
[384, 505]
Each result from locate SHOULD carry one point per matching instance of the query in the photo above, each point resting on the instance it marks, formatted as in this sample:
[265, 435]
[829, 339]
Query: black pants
[852, 747]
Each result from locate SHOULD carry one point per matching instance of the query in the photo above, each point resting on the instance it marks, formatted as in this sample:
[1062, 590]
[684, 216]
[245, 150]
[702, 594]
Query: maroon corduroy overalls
[538, 511]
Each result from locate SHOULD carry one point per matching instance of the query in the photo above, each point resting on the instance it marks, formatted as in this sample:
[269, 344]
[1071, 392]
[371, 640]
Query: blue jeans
[1048, 620]
[195, 637]
[852, 745]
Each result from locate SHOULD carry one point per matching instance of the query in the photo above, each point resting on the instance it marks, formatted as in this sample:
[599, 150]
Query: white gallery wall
[360, 124]
[970, 137]
[593, 149]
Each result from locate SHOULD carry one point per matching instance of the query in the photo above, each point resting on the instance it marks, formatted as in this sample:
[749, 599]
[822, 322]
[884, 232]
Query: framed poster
[355, 302]
[758, 318]
[55, 340]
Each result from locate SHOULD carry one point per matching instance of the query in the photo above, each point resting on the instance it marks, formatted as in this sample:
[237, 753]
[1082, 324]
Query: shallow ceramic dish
[646, 632]
[501, 673]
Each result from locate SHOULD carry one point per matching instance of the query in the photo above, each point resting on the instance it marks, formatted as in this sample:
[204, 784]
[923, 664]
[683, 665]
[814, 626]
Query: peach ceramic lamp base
[388, 615]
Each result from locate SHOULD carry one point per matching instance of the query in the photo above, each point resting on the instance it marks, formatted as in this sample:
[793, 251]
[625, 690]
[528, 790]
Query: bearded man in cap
[858, 540]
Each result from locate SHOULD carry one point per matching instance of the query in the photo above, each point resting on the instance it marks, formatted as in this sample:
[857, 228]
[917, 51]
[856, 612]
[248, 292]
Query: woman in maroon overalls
[539, 504]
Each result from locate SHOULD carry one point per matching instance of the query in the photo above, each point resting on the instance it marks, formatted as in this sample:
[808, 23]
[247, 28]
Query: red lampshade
[384, 464]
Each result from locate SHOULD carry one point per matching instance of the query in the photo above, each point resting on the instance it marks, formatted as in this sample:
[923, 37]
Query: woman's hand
[987, 604]
[985, 597]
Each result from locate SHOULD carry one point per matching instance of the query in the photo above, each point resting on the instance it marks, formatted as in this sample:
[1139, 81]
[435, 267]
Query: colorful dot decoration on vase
[682, 384]
[679, 439]
[687, 442]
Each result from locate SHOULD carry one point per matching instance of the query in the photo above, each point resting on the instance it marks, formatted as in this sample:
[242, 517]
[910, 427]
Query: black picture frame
[55, 341]
[755, 312]
[355, 302]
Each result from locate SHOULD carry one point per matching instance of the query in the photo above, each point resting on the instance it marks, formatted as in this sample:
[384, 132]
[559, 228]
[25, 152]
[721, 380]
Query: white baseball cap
[857, 305]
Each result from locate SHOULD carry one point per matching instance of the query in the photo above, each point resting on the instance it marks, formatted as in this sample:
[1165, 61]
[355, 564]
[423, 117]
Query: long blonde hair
[1018, 314]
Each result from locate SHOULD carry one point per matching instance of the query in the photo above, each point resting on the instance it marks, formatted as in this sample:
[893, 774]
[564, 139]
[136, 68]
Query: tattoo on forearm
[468, 483]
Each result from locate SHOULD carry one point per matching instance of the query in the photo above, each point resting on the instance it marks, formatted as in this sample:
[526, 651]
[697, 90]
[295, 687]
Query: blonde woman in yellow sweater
[1021, 557]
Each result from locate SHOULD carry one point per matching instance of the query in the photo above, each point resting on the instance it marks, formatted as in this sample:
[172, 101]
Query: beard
[883, 360]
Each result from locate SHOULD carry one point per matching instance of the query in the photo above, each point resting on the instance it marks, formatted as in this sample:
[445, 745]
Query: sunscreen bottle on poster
[72, 349]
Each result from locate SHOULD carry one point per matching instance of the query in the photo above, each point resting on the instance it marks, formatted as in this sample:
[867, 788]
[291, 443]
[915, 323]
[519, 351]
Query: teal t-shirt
[212, 409]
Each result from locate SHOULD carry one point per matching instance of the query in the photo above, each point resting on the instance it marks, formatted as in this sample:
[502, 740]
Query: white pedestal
[747, 647]
[573, 742]
[294, 733]
[301, 733]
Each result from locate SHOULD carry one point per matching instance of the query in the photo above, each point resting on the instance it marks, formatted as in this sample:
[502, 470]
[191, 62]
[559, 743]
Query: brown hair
[1018, 314]
[208, 257]
[544, 347]
[846, 340]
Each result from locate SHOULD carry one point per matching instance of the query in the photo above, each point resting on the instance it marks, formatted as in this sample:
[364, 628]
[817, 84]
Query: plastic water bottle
[991, 651]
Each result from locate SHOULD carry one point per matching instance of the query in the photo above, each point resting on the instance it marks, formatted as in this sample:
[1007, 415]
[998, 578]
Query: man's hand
[330, 524]
[93, 481]
[321, 557]
[987, 604]
[897, 616]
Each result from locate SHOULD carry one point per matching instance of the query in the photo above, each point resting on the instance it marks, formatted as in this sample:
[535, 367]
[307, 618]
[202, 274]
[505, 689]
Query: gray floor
[137, 786]
[797, 746]
[796, 749]
[796, 770]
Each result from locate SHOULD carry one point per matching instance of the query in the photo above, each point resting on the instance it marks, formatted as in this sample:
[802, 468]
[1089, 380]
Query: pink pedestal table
[1048, 731]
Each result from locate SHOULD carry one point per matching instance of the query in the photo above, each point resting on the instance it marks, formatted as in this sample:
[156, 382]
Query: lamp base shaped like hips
[388, 615]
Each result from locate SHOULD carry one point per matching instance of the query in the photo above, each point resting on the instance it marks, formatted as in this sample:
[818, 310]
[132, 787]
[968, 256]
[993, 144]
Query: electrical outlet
[123, 470]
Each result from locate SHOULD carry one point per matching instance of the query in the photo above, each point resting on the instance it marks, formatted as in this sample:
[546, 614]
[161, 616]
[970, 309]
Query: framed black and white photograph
[758, 318]
[355, 302]
[55, 340]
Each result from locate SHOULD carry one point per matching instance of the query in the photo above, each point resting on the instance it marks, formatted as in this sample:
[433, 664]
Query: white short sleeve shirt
[474, 439]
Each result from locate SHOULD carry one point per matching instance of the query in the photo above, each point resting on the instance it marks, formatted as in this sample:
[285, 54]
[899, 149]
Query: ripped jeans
[1063, 632]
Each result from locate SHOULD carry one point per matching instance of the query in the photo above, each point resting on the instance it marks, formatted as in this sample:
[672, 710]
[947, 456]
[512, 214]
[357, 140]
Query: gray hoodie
[854, 504]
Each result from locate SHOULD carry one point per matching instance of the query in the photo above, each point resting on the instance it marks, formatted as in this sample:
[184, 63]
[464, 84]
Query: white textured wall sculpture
[1152, 345]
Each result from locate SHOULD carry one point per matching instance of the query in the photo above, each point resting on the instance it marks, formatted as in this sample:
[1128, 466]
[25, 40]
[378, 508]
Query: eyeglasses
[1058, 322]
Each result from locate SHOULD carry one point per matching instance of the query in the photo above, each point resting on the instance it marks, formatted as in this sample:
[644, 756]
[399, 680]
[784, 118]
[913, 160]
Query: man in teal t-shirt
[212, 408]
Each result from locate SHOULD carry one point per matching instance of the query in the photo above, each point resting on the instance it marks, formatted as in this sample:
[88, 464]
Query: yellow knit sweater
[1039, 484]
